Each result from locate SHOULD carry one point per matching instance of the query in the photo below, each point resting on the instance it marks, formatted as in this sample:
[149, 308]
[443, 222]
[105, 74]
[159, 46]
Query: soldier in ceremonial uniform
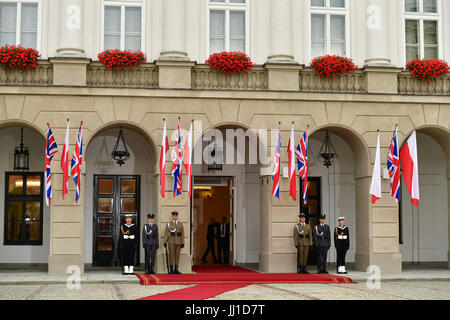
[341, 243]
[174, 236]
[323, 242]
[128, 243]
[302, 241]
[150, 242]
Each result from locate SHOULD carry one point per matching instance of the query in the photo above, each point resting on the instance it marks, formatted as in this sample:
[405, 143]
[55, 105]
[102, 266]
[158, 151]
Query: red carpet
[236, 275]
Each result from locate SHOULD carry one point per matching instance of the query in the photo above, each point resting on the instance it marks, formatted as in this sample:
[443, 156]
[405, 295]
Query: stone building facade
[70, 83]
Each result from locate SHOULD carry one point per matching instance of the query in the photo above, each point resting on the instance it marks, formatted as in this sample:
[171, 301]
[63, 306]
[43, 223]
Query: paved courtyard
[396, 290]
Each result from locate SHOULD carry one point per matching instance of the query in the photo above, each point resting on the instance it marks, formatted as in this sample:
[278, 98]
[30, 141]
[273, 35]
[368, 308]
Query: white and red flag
[291, 166]
[276, 168]
[77, 160]
[302, 161]
[65, 163]
[50, 150]
[187, 158]
[176, 165]
[162, 160]
[375, 186]
[410, 167]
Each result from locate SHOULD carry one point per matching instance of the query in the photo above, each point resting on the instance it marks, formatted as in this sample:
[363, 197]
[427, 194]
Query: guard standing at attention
[150, 242]
[128, 243]
[341, 243]
[323, 242]
[302, 241]
[174, 236]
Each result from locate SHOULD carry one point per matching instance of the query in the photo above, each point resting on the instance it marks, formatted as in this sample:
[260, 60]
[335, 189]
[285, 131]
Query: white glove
[131, 237]
[125, 236]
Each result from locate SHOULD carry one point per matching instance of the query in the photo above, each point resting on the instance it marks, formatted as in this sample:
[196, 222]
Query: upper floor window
[421, 29]
[19, 23]
[329, 27]
[228, 25]
[122, 25]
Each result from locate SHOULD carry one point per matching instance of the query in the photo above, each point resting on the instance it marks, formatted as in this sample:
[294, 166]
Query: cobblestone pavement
[439, 290]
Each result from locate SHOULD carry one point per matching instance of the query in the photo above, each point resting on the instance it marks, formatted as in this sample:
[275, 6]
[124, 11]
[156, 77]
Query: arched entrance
[25, 219]
[113, 190]
[226, 184]
[424, 230]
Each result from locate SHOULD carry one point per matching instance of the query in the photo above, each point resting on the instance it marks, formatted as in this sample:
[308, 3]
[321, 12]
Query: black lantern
[21, 156]
[327, 151]
[213, 156]
[120, 155]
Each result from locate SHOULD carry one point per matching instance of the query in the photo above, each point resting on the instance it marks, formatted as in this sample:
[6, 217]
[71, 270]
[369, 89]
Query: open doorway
[213, 209]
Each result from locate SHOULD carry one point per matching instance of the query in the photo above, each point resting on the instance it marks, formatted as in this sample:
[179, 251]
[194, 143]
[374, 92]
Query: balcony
[42, 75]
[408, 85]
[348, 83]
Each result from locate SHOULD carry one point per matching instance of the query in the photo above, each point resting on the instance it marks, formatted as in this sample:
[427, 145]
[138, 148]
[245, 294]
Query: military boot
[176, 270]
[299, 269]
[304, 270]
[170, 269]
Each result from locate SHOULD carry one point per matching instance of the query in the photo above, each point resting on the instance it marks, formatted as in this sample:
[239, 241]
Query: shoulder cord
[123, 232]
[168, 226]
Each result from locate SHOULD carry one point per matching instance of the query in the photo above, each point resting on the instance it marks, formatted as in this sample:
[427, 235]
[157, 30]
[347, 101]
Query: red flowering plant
[115, 59]
[427, 70]
[18, 57]
[332, 66]
[230, 62]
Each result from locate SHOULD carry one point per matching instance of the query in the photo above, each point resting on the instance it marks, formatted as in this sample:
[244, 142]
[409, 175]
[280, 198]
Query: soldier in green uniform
[302, 241]
[174, 236]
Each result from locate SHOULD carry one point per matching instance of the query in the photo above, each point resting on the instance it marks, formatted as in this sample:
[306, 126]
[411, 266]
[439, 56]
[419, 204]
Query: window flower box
[114, 59]
[230, 62]
[332, 66]
[427, 70]
[18, 57]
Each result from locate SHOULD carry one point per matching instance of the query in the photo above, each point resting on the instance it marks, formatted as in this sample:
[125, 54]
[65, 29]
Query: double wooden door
[114, 197]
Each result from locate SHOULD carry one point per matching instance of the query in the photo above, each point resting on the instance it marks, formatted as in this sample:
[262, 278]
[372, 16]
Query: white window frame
[328, 11]
[19, 20]
[123, 4]
[421, 17]
[228, 6]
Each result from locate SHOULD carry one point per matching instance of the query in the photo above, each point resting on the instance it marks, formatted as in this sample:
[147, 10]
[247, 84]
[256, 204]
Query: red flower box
[427, 70]
[18, 57]
[332, 66]
[230, 62]
[115, 59]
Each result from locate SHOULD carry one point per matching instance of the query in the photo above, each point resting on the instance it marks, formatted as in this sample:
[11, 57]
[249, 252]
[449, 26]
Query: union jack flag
[276, 168]
[302, 161]
[50, 150]
[176, 165]
[393, 165]
[77, 159]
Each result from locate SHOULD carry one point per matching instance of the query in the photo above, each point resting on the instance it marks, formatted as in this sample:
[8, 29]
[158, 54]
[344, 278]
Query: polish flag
[65, 163]
[375, 187]
[187, 158]
[162, 161]
[410, 167]
[291, 166]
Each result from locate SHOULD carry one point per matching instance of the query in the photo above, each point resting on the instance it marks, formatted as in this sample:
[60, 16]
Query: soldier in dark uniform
[223, 241]
[174, 236]
[342, 243]
[210, 238]
[323, 242]
[128, 243]
[150, 242]
[302, 241]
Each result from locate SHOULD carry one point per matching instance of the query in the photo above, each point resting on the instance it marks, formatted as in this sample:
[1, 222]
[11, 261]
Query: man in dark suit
[210, 238]
[323, 242]
[223, 241]
[150, 242]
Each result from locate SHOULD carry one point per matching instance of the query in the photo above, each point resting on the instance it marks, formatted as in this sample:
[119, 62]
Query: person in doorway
[150, 242]
[302, 241]
[174, 236]
[210, 238]
[322, 242]
[341, 243]
[128, 243]
[223, 240]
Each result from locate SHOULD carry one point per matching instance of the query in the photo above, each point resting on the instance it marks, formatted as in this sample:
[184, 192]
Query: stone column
[70, 28]
[377, 33]
[174, 30]
[280, 50]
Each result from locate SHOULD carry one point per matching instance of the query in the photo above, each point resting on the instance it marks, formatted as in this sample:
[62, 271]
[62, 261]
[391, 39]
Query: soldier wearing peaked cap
[174, 236]
[150, 242]
[323, 242]
[341, 243]
[302, 240]
[128, 243]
